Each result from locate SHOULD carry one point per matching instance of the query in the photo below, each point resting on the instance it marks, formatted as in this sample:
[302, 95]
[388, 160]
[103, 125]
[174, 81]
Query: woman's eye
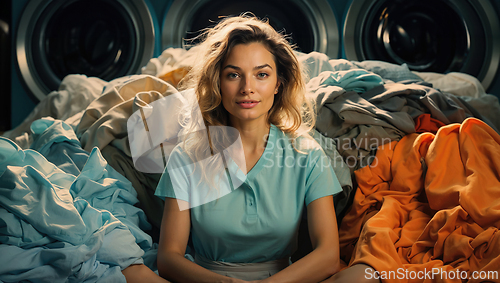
[232, 75]
[263, 75]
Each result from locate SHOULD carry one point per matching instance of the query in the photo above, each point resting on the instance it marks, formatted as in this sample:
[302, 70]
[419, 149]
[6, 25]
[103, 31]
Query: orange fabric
[175, 76]
[429, 201]
[425, 123]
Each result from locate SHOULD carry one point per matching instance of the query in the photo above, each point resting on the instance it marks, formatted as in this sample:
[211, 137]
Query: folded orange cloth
[429, 201]
[425, 123]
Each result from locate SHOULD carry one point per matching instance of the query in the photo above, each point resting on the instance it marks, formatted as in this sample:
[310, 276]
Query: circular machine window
[99, 38]
[311, 25]
[428, 35]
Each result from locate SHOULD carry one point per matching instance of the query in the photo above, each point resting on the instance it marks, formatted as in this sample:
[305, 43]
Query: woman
[248, 79]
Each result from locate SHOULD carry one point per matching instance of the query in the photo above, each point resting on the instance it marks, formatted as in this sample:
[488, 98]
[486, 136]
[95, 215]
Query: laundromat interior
[462, 36]
[410, 72]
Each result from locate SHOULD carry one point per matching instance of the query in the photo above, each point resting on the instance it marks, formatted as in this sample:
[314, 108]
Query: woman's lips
[247, 104]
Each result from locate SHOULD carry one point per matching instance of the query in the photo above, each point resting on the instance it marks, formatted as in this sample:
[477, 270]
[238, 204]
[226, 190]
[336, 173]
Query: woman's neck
[253, 135]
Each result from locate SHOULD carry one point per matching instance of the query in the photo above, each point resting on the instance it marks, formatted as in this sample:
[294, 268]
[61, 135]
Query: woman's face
[248, 83]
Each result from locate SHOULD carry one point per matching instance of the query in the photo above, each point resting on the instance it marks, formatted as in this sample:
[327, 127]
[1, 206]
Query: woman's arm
[141, 273]
[174, 235]
[356, 273]
[324, 260]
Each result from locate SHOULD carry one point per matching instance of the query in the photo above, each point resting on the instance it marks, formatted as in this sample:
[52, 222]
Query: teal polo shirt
[259, 220]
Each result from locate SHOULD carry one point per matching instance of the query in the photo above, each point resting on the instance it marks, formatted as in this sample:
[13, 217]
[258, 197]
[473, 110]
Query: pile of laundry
[417, 155]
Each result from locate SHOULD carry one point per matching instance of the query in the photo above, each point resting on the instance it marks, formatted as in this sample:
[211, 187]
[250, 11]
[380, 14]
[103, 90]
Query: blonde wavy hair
[291, 112]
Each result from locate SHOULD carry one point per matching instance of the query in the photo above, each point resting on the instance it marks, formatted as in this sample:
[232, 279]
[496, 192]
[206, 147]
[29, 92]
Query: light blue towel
[357, 80]
[69, 220]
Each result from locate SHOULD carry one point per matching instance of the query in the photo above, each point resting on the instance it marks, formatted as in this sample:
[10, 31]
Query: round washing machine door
[98, 38]
[428, 35]
[311, 24]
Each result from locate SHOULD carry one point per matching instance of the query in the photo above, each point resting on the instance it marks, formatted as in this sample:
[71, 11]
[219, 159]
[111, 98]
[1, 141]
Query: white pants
[244, 271]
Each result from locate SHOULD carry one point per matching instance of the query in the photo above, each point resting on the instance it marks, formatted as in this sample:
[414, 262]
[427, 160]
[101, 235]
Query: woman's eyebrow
[232, 67]
[263, 66]
[255, 68]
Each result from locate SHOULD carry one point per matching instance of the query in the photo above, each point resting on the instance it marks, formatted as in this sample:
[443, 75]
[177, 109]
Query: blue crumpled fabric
[65, 214]
[389, 71]
[357, 80]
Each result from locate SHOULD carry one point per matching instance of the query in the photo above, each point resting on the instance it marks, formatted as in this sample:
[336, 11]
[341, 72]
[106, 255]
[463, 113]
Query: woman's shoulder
[177, 156]
[301, 142]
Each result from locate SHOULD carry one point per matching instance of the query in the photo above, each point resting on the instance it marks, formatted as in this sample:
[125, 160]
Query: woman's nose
[247, 86]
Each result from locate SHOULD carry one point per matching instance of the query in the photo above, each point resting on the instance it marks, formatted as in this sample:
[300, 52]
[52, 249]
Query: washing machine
[428, 35]
[54, 38]
[312, 24]
[5, 59]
